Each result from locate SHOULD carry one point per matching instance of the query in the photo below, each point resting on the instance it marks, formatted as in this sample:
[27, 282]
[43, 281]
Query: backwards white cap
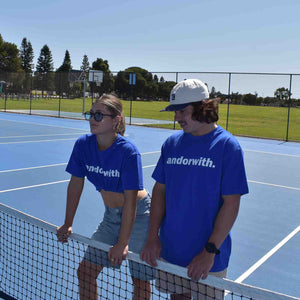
[186, 92]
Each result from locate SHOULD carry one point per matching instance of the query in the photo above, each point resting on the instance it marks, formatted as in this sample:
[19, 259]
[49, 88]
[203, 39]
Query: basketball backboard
[95, 76]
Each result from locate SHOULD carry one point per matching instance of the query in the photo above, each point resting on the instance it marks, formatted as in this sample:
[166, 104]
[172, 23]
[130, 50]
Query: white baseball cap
[186, 92]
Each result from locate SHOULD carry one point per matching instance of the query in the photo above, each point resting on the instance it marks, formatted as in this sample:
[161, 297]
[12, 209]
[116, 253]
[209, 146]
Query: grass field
[256, 121]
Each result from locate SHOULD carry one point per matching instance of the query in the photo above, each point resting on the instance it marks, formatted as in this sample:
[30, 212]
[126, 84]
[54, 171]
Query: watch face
[211, 248]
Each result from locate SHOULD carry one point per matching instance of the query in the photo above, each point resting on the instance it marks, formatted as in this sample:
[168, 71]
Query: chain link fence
[263, 105]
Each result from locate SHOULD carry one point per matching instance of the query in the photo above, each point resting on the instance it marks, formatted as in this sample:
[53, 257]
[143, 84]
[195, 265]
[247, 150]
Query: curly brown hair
[206, 111]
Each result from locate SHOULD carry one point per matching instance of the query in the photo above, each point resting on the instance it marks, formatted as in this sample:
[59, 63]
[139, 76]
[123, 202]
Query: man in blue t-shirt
[200, 178]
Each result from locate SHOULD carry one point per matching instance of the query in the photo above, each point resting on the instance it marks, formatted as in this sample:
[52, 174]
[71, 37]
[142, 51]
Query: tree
[62, 75]
[26, 55]
[66, 65]
[85, 66]
[236, 98]
[282, 94]
[45, 69]
[9, 57]
[145, 86]
[45, 61]
[164, 89]
[122, 85]
[249, 99]
[108, 80]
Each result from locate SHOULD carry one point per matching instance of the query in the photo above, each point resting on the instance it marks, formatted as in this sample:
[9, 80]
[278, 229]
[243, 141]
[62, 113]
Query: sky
[167, 36]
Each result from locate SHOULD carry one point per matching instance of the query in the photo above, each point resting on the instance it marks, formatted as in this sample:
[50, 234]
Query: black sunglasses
[98, 116]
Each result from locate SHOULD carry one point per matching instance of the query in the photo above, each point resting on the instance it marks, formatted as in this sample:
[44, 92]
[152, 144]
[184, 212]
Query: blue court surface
[34, 151]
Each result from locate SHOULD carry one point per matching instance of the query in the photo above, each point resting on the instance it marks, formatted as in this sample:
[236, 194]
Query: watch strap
[211, 248]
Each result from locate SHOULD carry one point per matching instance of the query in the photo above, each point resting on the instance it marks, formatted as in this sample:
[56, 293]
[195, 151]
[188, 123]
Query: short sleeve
[132, 173]
[75, 165]
[234, 179]
[159, 171]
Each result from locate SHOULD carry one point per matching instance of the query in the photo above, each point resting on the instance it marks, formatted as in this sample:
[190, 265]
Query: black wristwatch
[211, 248]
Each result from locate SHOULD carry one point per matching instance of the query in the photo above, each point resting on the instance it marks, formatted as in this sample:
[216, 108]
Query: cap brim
[176, 107]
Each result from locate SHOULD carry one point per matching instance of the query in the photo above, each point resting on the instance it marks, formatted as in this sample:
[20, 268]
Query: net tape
[34, 265]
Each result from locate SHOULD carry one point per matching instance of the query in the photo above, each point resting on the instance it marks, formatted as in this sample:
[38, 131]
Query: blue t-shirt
[197, 171]
[115, 169]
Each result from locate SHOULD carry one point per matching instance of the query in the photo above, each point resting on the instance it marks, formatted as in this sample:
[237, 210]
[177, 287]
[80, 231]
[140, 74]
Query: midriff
[113, 199]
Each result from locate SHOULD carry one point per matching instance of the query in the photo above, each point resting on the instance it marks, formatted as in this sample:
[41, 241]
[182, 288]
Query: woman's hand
[63, 232]
[117, 253]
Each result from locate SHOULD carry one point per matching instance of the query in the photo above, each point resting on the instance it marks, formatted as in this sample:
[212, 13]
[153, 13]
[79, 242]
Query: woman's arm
[74, 192]
[119, 251]
[152, 247]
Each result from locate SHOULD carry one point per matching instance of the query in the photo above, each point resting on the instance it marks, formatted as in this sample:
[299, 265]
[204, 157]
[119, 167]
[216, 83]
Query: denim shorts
[108, 233]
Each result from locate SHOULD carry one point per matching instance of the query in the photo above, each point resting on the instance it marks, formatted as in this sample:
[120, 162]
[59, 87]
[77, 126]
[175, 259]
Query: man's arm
[225, 219]
[152, 247]
[203, 262]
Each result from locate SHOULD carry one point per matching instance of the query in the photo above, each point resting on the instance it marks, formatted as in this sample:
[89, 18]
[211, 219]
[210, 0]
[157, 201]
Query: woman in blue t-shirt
[113, 164]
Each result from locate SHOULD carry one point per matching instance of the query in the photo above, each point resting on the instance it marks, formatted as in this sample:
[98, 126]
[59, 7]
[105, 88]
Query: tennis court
[34, 151]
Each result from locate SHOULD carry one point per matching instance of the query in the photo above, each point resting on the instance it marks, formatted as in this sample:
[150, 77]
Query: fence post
[5, 99]
[289, 109]
[229, 86]
[31, 88]
[174, 123]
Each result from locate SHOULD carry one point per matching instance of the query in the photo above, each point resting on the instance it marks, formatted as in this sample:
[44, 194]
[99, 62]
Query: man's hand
[151, 252]
[201, 265]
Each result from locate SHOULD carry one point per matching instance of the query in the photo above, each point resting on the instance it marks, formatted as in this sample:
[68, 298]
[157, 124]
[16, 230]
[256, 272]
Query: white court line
[61, 164]
[47, 183]
[48, 125]
[267, 256]
[37, 135]
[272, 153]
[38, 141]
[153, 152]
[146, 153]
[150, 166]
[31, 168]
[33, 186]
[276, 185]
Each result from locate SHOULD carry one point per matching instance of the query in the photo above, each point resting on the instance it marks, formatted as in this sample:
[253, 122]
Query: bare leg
[186, 296]
[87, 275]
[142, 289]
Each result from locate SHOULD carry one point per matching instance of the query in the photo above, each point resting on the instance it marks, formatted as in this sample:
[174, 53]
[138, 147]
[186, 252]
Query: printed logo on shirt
[106, 173]
[199, 162]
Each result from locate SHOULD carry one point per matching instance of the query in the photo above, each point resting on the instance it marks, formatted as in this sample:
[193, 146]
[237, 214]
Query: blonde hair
[114, 105]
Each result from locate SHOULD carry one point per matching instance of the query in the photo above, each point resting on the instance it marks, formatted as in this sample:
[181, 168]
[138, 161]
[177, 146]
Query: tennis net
[34, 265]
